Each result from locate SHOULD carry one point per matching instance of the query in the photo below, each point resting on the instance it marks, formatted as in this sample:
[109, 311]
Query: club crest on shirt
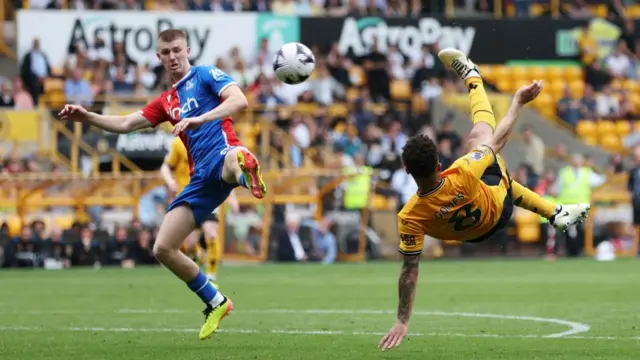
[189, 85]
[476, 155]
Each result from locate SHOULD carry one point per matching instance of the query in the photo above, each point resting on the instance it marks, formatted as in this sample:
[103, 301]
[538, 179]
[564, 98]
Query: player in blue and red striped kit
[200, 105]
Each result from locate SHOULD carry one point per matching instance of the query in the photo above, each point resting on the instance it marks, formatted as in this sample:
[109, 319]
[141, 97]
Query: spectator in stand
[448, 131]
[324, 241]
[546, 184]
[142, 249]
[86, 251]
[596, 77]
[404, 186]
[393, 141]
[324, 87]
[627, 109]
[580, 10]
[619, 64]
[34, 69]
[54, 248]
[628, 36]
[534, 149]
[588, 104]
[446, 155]
[633, 186]
[397, 67]
[588, 47]
[118, 250]
[6, 96]
[77, 89]
[23, 250]
[607, 104]
[568, 108]
[376, 68]
[616, 164]
[21, 98]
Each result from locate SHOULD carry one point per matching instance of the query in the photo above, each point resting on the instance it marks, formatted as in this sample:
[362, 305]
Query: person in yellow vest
[573, 186]
[356, 192]
[176, 172]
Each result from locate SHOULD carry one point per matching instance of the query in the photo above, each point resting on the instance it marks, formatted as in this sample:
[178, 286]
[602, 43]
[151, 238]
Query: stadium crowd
[364, 137]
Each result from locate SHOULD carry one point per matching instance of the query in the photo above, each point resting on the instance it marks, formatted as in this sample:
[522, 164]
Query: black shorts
[492, 177]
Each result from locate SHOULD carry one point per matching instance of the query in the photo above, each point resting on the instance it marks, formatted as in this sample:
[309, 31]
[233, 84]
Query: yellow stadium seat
[527, 226]
[556, 89]
[51, 85]
[504, 84]
[623, 127]
[577, 88]
[400, 90]
[635, 99]
[548, 112]
[379, 202]
[631, 85]
[518, 73]
[605, 127]
[586, 128]
[601, 10]
[555, 73]
[358, 76]
[64, 221]
[544, 100]
[574, 73]
[611, 142]
[15, 224]
[616, 84]
[488, 72]
[590, 140]
[418, 104]
[57, 71]
[537, 73]
[338, 110]
[501, 72]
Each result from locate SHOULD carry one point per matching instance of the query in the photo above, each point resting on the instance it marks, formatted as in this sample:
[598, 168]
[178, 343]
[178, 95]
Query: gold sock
[479, 102]
[213, 256]
[531, 201]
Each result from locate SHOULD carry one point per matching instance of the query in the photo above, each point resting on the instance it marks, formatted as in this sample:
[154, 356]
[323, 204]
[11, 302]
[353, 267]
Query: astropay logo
[358, 36]
[139, 36]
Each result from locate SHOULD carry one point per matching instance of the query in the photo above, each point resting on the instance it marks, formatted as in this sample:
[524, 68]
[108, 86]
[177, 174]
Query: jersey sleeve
[411, 236]
[154, 112]
[216, 79]
[476, 161]
[172, 157]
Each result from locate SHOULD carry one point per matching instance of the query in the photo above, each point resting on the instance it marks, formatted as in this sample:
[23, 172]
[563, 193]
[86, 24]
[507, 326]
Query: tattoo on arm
[407, 286]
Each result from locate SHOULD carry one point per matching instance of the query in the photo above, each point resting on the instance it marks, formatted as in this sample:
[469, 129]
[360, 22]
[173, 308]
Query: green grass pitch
[464, 310]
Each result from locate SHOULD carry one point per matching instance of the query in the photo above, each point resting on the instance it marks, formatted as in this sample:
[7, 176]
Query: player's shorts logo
[408, 240]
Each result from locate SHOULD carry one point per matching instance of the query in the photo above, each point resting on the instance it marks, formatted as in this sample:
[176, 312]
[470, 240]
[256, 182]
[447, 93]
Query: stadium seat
[418, 104]
[631, 85]
[501, 72]
[605, 127]
[611, 142]
[519, 74]
[488, 72]
[616, 85]
[586, 128]
[590, 140]
[504, 84]
[338, 110]
[548, 112]
[623, 127]
[577, 88]
[555, 73]
[64, 221]
[400, 90]
[379, 202]
[357, 76]
[556, 88]
[15, 224]
[573, 73]
[51, 85]
[544, 100]
[537, 73]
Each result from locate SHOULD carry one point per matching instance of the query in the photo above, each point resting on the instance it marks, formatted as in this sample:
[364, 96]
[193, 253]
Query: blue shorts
[206, 190]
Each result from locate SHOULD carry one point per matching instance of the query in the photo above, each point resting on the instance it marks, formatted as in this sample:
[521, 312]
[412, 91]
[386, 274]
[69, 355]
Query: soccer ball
[293, 63]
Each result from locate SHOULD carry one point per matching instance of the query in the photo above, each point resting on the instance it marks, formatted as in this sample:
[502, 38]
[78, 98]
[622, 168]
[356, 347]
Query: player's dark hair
[171, 34]
[420, 156]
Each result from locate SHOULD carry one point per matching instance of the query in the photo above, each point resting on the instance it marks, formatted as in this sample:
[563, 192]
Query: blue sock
[203, 288]
[243, 182]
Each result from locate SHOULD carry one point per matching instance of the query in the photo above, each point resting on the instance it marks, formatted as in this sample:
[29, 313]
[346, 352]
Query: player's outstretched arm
[233, 101]
[112, 123]
[406, 293]
[523, 96]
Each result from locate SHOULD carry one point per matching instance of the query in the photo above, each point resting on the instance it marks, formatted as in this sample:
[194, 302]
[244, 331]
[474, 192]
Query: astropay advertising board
[210, 35]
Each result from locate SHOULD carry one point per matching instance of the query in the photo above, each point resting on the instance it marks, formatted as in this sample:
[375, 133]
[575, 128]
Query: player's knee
[162, 251]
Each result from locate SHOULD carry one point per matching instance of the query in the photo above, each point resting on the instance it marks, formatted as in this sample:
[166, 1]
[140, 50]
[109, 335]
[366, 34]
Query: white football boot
[570, 215]
[457, 61]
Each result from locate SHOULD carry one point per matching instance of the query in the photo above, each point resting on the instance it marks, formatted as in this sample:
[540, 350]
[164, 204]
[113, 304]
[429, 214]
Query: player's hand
[74, 113]
[526, 93]
[187, 124]
[394, 336]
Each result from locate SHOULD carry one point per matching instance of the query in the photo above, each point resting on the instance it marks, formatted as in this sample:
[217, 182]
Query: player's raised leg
[484, 122]
[560, 216]
[242, 167]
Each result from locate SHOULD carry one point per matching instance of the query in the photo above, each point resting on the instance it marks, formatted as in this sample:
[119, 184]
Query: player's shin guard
[531, 201]
[214, 255]
[479, 102]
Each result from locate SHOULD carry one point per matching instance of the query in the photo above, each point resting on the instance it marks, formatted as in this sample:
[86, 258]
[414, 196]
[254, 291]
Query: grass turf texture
[328, 312]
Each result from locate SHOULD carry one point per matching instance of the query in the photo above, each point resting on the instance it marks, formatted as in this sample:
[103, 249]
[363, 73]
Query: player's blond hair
[169, 35]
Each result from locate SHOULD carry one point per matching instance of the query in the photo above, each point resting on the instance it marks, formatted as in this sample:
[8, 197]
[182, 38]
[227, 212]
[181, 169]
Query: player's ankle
[218, 299]
[473, 73]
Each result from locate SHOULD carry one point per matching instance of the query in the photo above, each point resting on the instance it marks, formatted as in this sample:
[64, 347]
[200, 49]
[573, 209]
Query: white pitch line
[574, 327]
[302, 332]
